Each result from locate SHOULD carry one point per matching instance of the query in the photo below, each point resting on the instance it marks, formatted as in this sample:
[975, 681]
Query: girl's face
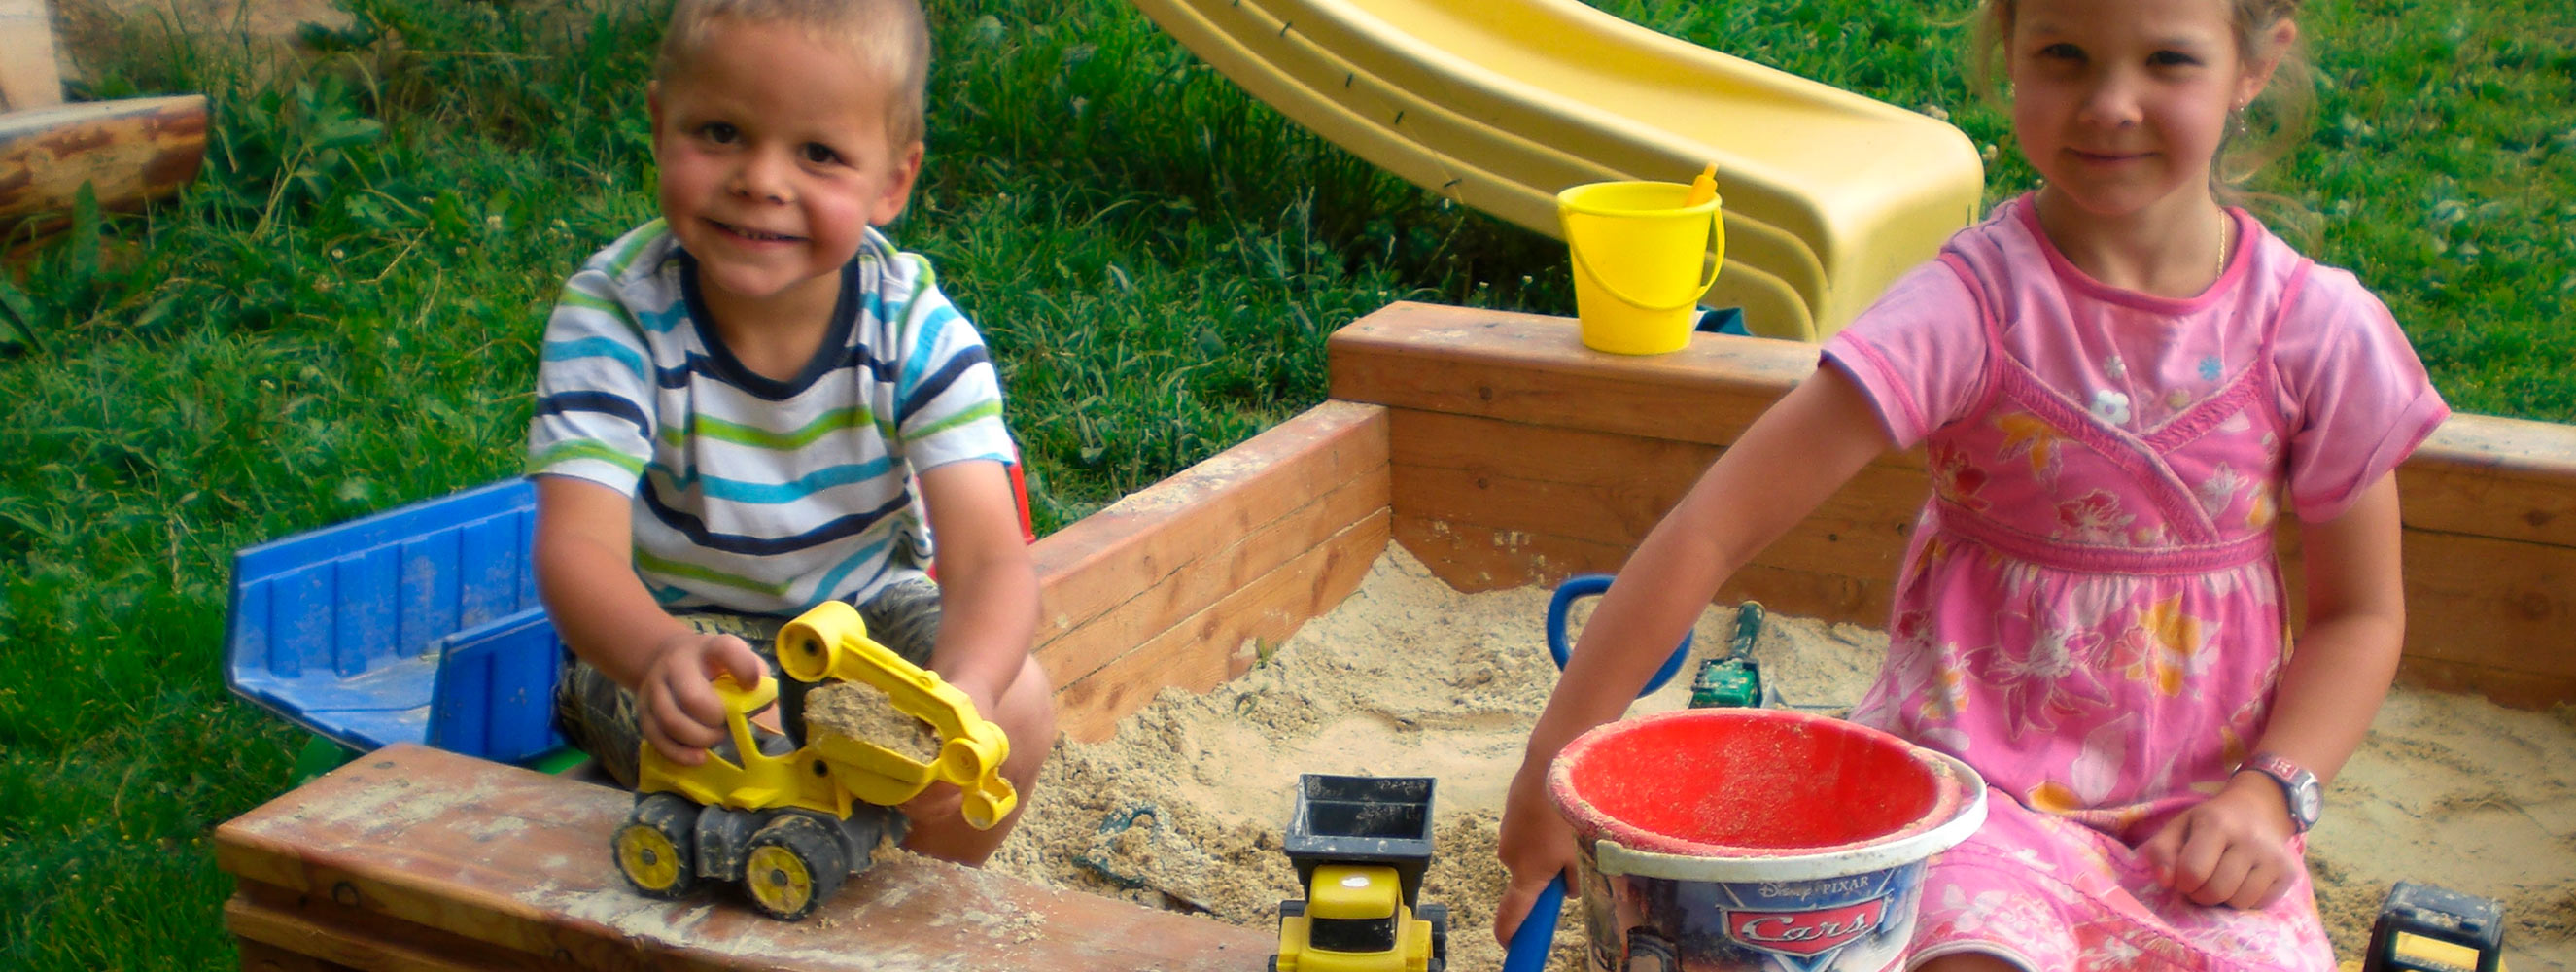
[2121, 104]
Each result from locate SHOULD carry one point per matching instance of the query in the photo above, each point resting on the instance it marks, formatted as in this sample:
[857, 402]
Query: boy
[730, 398]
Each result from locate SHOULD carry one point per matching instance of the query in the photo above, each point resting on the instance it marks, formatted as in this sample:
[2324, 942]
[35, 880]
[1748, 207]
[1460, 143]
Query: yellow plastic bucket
[1638, 250]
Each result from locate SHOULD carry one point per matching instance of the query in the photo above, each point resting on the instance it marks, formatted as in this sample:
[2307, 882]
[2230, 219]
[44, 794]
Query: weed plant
[342, 314]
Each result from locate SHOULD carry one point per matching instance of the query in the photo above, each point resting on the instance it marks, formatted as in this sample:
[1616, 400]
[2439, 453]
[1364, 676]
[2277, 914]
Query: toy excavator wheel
[793, 865]
[654, 847]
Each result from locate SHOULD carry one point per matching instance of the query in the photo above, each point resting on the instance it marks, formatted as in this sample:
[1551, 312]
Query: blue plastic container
[419, 624]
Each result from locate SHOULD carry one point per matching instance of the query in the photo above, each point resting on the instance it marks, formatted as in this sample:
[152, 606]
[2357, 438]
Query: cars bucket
[1638, 249]
[1718, 840]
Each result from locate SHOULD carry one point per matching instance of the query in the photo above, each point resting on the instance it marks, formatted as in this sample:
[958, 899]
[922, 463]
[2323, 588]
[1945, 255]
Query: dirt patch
[1183, 808]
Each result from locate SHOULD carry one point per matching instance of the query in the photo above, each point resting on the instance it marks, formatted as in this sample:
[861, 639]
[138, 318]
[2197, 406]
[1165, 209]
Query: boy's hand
[2232, 849]
[676, 703]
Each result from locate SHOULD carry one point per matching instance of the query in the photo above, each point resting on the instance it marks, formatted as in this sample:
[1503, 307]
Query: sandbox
[1182, 807]
[1497, 453]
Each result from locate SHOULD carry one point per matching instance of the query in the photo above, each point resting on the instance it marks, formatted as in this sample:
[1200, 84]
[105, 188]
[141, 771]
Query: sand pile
[1183, 808]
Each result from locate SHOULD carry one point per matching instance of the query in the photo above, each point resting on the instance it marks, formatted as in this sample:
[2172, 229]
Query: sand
[1183, 808]
[864, 712]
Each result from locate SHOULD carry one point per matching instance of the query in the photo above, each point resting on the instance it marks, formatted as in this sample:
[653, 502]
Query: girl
[2118, 383]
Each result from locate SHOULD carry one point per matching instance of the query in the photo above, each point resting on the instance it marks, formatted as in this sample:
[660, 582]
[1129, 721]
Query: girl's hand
[1536, 845]
[676, 704]
[2232, 849]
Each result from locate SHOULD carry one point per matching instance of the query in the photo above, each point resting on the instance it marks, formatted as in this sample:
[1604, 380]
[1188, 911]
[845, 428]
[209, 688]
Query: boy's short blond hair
[891, 37]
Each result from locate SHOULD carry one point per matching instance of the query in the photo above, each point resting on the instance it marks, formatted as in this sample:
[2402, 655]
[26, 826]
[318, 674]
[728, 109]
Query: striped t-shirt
[752, 494]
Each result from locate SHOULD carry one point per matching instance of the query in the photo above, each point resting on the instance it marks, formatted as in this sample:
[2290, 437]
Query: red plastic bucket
[1717, 840]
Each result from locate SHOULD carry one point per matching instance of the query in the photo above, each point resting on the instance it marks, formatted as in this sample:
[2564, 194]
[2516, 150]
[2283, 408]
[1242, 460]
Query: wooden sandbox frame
[1491, 445]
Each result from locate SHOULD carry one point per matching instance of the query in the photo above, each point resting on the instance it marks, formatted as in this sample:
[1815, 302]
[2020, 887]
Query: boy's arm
[586, 576]
[988, 586]
[988, 581]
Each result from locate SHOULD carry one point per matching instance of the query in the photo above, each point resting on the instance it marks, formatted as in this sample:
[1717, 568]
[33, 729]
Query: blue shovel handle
[1591, 585]
[1537, 933]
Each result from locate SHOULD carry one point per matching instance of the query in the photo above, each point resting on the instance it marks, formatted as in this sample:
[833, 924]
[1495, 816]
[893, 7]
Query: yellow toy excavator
[789, 818]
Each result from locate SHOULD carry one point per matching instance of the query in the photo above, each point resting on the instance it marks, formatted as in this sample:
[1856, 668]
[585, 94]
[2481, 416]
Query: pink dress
[2090, 612]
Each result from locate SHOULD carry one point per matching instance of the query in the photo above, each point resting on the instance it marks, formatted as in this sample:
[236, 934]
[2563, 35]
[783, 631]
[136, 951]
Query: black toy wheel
[654, 849]
[1438, 917]
[792, 865]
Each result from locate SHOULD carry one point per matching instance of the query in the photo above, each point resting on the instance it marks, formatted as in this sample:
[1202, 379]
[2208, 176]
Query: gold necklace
[2224, 225]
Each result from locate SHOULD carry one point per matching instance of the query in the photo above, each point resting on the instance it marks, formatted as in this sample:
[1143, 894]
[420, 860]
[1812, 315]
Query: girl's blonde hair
[2259, 135]
[890, 37]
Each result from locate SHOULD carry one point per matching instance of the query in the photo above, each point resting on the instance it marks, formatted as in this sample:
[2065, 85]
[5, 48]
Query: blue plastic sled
[418, 624]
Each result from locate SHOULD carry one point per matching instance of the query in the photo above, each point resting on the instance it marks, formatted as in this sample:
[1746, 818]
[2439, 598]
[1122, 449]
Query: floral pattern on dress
[2040, 635]
[2094, 517]
[2031, 436]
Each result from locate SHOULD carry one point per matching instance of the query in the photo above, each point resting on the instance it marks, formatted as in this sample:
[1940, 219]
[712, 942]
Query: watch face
[2304, 800]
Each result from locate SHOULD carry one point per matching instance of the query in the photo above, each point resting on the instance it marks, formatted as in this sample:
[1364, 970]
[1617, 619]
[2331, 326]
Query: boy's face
[773, 159]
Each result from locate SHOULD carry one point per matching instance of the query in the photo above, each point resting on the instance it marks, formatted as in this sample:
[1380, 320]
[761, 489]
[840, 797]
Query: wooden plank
[2505, 478]
[1113, 556]
[2479, 471]
[1533, 369]
[1475, 558]
[319, 933]
[1203, 580]
[1219, 642]
[264, 957]
[517, 860]
[1613, 488]
[2505, 687]
[30, 76]
[131, 152]
[2495, 612]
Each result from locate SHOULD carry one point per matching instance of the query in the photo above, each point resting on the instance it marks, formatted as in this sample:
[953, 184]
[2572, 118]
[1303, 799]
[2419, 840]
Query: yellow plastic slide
[1498, 104]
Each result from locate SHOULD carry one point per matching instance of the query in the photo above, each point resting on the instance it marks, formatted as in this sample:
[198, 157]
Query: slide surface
[1499, 104]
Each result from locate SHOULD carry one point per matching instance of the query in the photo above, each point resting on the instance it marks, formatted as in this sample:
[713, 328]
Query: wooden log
[414, 858]
[130, 152]
[1552, 450]
[30, 77]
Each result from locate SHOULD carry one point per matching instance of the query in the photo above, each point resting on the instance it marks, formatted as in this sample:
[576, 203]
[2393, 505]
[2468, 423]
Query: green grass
[342, 316]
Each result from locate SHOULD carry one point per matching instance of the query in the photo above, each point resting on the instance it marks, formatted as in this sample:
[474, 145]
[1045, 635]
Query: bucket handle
[1716, 218]
[1589, 585]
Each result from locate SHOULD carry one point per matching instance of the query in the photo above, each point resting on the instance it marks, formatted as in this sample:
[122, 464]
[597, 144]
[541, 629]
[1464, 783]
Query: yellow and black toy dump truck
[789, 818]
[1360, 845]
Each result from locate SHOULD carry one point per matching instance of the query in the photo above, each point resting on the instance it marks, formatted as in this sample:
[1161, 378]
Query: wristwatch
[2298, 786]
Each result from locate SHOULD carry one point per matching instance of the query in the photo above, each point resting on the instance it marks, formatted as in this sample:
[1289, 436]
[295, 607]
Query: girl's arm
[2347, 656]
[1795, 455]
[2232, 849]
